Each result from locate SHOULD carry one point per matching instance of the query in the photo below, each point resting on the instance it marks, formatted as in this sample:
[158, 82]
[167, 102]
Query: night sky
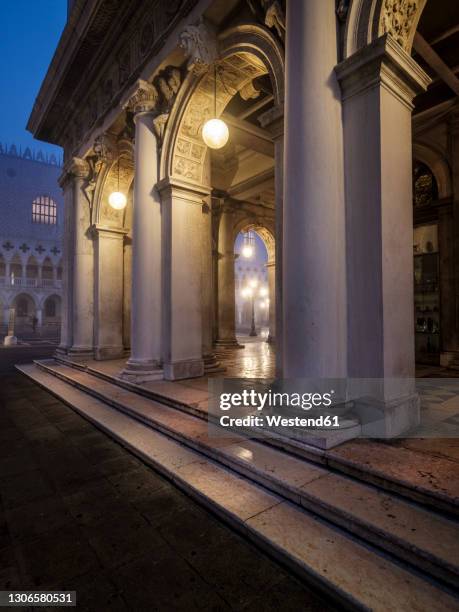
[29, 36]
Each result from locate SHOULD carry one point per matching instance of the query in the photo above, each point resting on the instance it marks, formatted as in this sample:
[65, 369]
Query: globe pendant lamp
[248, 245]
[117, 199]
[215, 131]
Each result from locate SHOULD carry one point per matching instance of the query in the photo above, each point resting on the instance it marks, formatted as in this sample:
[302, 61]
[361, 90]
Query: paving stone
[92, 501]
[165, 584]
[163, 506]
[235, 570]
[138, 484]
[191, 529]
[288, 595]
[95, 592]
[38, 517]
[118, 465]
[116, 542]
[56, 556]
[25, 487]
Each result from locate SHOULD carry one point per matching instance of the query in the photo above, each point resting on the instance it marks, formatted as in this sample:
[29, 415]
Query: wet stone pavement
[79, 512]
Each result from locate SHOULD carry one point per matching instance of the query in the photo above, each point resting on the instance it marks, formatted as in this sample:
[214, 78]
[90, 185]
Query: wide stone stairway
[371, 540]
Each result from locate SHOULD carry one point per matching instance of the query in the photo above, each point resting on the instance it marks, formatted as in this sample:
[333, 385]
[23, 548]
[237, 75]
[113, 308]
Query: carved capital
[144, 98]
[76, 167]
[199, 43]
[399, 19]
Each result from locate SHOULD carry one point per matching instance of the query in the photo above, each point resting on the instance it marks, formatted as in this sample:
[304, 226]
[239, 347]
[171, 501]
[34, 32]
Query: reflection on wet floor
[255, 360]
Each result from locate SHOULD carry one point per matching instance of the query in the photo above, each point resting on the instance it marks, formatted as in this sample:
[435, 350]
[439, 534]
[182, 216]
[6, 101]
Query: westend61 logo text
[270, 399]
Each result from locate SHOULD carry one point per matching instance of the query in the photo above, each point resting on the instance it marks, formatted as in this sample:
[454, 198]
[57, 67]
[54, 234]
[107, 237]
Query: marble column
[145, 358]
[313, 233]
[226, 334]
[207, 283]
[273, 121]
[77, 327]
[378, 84]
[108, 319]
[271, 267]
[182, 209]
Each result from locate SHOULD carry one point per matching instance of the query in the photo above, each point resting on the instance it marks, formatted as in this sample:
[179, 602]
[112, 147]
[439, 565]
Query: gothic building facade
[31, 224]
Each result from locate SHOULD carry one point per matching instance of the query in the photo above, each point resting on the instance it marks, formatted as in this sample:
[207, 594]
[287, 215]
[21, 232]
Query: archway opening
[251, 287]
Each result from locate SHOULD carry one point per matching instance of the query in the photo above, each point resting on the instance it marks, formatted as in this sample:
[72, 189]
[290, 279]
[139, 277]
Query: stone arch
[367, 20]
[245, 52]
[47, 269]
[437, 164]
[32, 267]
[25, 305]
[116, 174]
[265, 231]
[52, 308]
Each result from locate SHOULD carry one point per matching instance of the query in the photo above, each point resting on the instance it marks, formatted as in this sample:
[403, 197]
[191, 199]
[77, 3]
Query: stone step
[420, 537]
[310, 442]
[357, 576]
[361, 462]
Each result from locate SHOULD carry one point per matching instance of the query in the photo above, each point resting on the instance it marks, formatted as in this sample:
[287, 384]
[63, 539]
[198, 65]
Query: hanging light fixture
[117, 199]
[215, 131]
[248, 245]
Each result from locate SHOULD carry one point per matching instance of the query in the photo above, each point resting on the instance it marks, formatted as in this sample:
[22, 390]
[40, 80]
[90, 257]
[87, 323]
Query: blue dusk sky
[30, 33]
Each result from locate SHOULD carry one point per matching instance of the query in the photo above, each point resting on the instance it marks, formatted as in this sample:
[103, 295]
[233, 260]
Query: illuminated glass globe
[215, 133]
[247, 251]
[117, 200]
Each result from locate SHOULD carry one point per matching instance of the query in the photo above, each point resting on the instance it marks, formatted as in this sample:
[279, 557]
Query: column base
[188, 368]
[141, 371]
[10, 341]
[388, 419]
[103, 353]
[211, 364]
[233, 343]
[80, 353]
[271, 339]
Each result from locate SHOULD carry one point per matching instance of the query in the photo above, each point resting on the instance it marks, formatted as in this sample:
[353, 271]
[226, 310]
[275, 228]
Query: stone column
[77, 326]
[207, 283]
[39, 315]
[226, 334]
[378, 84]
[145, 358]
[448, 335]
[108, 319]
[271, 267]
[182, 279]
[8, 272]
[313, 238]
[273, 121]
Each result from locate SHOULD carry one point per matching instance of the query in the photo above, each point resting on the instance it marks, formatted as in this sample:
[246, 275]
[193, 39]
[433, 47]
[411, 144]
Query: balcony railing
[31, 283]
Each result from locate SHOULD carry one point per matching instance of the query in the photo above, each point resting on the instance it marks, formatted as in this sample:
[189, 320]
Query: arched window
[50, 308]
[23, 307]
[425, 188]
[44, 210]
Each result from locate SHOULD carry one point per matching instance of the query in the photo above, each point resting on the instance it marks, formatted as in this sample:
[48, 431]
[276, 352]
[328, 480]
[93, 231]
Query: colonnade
[342, 294]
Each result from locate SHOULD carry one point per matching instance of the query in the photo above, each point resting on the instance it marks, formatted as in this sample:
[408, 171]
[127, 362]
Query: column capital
[188, 191]
[382, 63]
[142, 98]
[76, 167]
[108, 232]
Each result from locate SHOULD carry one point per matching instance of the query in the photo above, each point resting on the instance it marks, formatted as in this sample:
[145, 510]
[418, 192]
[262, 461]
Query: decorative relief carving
[200, 45]
[397, 19]
[144, 98]
[271, 13]
[103, 154]
[158, 17]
